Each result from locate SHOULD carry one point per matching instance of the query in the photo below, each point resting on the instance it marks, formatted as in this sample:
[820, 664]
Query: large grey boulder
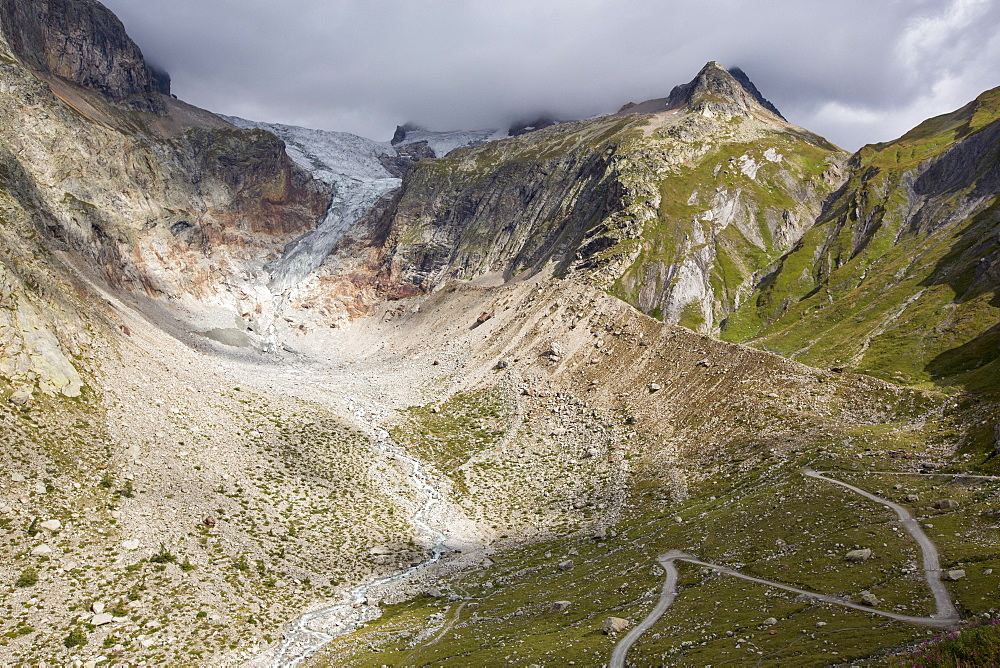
[859, 556]
[20, 398]
[614, 625]
[101, 619]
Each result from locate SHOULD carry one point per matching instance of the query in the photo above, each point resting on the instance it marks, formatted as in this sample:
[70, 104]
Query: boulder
[955, 574]
[97, 608]
[559, 606]
[20, 398]
[17, 477]
[867, 598]
[51, 525]
[911, 498]
[770, 621]
[566, 565]
[42, 550]
[103, 618]
[945, 504]
[131, 544]
[614, 625]
[655, 387]
[859, 556]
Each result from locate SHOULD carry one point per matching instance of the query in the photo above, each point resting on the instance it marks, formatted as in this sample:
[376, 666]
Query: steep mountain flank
[42, 327]
[899, 277]
[178, 205]
[675, 212]
[83, 42]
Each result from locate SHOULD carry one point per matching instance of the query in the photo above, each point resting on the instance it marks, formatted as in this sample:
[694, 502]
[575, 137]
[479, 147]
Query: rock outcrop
[85, 43]
[156, 197]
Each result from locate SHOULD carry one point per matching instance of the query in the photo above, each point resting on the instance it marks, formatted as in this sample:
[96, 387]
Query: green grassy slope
[899, 277]
[766, 520]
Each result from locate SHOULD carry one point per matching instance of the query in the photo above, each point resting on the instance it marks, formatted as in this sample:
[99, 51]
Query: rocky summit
[684, 384]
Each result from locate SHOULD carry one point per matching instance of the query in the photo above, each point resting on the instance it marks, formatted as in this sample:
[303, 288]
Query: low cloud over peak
[854, 71]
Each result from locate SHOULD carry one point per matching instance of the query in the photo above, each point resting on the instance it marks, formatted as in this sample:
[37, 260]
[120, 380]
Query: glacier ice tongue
[349, 163]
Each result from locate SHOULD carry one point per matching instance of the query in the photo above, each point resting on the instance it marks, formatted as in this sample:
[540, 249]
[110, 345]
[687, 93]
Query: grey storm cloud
[856, 71]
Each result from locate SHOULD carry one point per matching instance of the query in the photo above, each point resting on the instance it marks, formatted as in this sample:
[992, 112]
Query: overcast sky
[855, 71]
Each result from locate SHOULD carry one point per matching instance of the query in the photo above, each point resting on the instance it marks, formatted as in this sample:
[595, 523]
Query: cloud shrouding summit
[855, 71]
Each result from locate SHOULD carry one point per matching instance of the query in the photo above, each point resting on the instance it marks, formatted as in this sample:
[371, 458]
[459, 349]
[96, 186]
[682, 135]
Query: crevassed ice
[352, 165]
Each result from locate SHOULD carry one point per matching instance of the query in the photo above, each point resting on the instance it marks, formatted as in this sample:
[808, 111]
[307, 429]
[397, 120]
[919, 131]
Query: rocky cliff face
[899, 276]
[176, 205]
[83, 42]
[42, 323]
[675, 212]
[169, 206]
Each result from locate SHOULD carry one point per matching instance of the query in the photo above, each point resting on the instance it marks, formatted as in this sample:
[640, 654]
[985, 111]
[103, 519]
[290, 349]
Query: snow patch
[326, 154]
[443, 143]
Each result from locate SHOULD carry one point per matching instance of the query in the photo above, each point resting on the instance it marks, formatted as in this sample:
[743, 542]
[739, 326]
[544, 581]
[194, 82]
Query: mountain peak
[714, 90]
[717, 88]
[748, 85]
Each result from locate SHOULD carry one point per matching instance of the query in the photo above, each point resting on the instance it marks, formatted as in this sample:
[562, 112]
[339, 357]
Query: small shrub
[186, 565]
[164, 556]
[107, 482]
[28, 578]
[128, 491]
[971, 647]
[242, 564]
[22, 631]
[77, 637]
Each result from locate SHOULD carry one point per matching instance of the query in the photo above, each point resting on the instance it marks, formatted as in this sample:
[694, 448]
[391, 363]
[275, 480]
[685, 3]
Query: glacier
[353, 166]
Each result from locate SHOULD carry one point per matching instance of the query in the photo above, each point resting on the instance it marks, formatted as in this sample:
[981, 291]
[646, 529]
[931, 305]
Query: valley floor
[229, 493]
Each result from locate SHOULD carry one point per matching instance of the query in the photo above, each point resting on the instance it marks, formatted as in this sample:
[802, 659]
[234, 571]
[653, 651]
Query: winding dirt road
[945, 615]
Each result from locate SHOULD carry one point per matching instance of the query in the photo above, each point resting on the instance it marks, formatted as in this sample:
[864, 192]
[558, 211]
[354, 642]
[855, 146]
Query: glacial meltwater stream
[309, 633]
